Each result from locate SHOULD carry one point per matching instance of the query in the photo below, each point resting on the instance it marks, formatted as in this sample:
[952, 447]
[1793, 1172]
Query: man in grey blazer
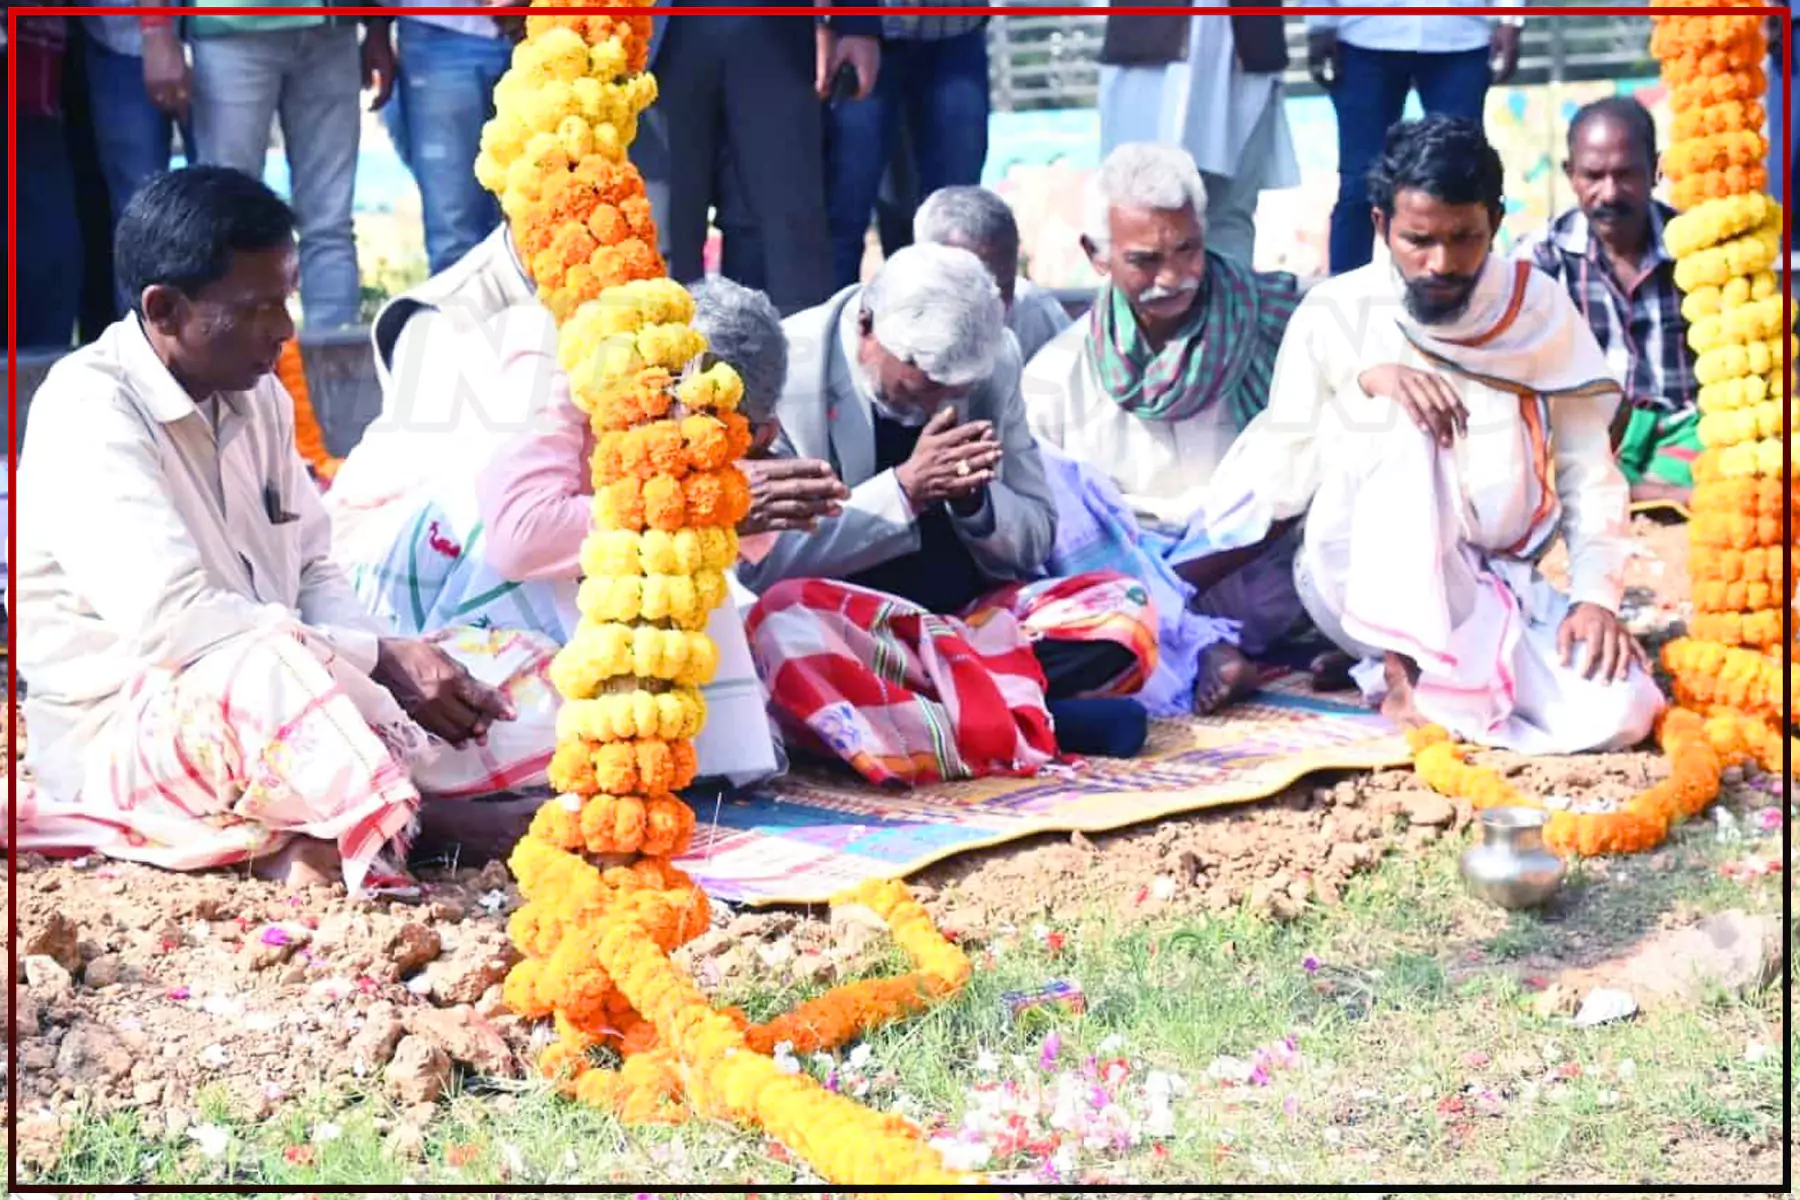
[738, 125]
[908, 388]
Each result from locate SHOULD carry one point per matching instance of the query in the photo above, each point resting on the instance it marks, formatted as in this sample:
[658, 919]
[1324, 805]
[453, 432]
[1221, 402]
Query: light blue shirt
[1424, 34]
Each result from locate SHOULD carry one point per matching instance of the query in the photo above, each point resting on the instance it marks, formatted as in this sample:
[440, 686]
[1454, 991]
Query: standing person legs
[859, 144]
[47, 258]
[446, 88]
[775, 126]
[321, 123]
[136, 138]
[1454, 84]
[98, 306]
[1369, 96]
[237, 85]
[947, 111]
[899, 197]
[680, 135]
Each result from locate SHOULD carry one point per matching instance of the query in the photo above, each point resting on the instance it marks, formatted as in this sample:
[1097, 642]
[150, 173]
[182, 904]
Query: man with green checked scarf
[1138, 404]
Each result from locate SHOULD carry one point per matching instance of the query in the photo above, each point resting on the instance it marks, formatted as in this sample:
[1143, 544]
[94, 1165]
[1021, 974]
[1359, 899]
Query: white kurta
[1161, 468]
[1208, 111]
[1431, 553]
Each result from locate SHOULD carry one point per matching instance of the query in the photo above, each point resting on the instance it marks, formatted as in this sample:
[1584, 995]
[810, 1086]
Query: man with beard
[1136, 405]
[915, 636]
[1609, 254]
[1421, 544]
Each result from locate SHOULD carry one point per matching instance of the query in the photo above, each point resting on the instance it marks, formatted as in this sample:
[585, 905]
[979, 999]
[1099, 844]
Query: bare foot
[1226, 677]
[304, 862]
[1397, 706]
[1660, 493]
[473, 832]
[1330, 672]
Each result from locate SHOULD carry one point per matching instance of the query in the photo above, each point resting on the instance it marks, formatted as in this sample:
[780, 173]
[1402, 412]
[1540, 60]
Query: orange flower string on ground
[1639, 824]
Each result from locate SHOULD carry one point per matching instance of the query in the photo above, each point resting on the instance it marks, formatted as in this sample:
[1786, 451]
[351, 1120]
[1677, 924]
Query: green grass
[1425, 1058]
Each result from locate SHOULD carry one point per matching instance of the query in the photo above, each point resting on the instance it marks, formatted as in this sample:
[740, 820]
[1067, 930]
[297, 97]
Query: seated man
[204, 686]
[1420, 547]
[465, 505]
[1609, 254]
[1141, 400]
[909, 389]
[980, 222]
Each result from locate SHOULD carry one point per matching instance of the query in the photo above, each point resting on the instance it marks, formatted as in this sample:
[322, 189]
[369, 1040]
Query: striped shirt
[1643, 334]
[920, 25]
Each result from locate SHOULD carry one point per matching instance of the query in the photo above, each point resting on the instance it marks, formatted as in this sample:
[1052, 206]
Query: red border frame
[1300, 9]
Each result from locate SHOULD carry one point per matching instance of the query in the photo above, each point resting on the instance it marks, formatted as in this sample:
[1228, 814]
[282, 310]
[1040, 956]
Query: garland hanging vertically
[604, 904]
[1727, 244]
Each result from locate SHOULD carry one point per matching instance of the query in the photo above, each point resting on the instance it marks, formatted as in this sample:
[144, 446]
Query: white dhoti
[271, 736]
[1389, 563]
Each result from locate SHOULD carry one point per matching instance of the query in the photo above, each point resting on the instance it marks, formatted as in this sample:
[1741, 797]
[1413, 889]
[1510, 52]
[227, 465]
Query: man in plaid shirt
[1609, 253]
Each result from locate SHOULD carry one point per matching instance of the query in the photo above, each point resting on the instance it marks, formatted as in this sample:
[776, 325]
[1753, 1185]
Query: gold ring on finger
[962, 468]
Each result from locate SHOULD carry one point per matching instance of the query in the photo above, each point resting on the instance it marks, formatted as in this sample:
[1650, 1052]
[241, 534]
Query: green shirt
[200, 26]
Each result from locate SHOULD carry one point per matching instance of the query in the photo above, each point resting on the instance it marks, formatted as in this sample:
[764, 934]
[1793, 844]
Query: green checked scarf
[1225, 351]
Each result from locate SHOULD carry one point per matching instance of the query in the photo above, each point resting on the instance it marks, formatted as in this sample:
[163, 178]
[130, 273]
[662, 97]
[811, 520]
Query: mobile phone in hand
[843, 85]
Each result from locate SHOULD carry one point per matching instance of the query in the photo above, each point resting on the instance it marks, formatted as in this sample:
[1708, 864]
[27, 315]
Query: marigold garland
[1727, 242]
[604, 907]
[309, 437]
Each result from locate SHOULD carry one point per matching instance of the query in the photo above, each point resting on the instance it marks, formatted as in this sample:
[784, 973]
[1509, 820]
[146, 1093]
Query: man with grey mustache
[1136, 406]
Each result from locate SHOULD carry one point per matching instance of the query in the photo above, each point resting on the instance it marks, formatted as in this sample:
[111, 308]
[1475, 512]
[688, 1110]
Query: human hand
[833, 51]
[1426, 396]
[1322, 57]
[437, 692]
[790, 493]
[511, 24]
[168, 80]
[379, 66]
[1503, 53]
[951, 462]
[1611, 650]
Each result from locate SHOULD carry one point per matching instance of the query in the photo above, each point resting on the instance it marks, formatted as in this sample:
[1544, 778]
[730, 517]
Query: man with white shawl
[1420, 549]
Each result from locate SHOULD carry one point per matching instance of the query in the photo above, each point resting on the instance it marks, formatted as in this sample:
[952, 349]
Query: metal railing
[1041, 62]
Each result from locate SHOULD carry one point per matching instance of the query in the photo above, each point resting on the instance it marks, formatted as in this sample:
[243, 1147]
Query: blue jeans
[444, 96]
[312, 78]
[940, 89]
[1369, 96]
[1784, 125]
[136, 137]
[48, 255]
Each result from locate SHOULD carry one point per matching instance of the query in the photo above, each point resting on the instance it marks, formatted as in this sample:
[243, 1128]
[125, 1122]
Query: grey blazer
[1010, 539]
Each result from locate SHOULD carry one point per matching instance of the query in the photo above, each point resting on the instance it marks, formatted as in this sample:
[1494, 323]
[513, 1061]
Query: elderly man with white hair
[914, 636]
[1138, 404]
[979, 221]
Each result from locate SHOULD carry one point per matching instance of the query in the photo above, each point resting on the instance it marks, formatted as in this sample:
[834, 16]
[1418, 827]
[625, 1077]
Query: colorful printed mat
[822, 830]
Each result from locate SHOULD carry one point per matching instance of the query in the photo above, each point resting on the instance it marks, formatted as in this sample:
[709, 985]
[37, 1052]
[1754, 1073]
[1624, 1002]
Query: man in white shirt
[1421, 545]
[204, 686]
[977, 220]
[1369, 63]
[1137, 404]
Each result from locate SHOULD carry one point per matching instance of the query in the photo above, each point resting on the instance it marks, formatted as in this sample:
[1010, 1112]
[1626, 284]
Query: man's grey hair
[1142, 175]
[974, 216]
[743, 328]
[938, 308]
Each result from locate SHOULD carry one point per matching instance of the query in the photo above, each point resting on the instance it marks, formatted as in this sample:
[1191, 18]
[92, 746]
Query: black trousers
[1074, 668]
[737, 126]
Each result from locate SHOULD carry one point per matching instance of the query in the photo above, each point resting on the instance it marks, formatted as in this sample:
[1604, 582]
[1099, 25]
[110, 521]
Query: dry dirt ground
[150, 987]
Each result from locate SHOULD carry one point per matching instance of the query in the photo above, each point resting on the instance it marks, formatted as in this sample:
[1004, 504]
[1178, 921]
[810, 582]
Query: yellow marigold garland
[604, 907]
[1727, 243]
